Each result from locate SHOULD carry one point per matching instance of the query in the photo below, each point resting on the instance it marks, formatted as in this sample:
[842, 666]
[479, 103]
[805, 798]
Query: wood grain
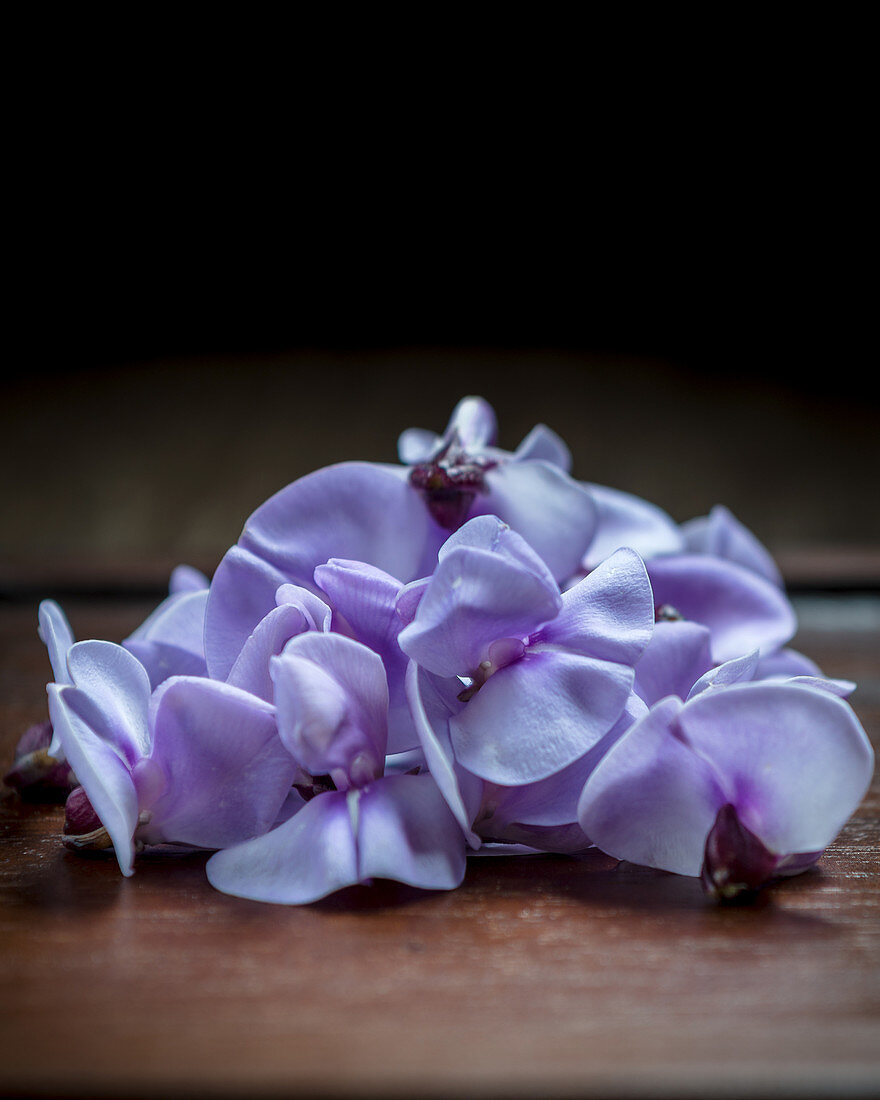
[544, 976]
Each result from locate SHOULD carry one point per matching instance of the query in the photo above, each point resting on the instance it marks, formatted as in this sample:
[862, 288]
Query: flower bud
[82, 826]
[35, 774]
[735, 862]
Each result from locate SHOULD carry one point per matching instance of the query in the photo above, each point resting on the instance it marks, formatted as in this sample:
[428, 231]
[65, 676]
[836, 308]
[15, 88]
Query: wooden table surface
[543, 976]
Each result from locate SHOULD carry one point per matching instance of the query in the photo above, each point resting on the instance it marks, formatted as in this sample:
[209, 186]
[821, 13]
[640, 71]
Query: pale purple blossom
[332, 704]
[395, 518]
[196, 762]
[398, 663]
[739, 785]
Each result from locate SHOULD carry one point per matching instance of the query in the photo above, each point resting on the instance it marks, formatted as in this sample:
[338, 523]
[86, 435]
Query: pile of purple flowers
[397, 666]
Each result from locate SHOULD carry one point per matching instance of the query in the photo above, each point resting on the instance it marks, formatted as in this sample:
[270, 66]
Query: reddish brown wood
[538, 977]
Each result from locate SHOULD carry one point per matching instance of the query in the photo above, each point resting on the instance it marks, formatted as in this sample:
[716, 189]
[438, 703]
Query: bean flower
[400, 666]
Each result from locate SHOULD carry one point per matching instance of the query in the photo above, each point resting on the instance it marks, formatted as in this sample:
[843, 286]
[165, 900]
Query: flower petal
[554, 801]
[308, 857]
[242, 594]
[477, 595]
[795, 759]
[624, 519]
[544, 445]
[735, 671]
[119, 688]
[171, 642]
[539, 715]
[609, 614]
[742, 610]
[332, 699]
[786, 662]
[227, 772]
[415, 445]
[473, 420]
[251, 669]
[675, 658]
[652, 800]
[102, 772]
[57, 637]
[433, 703]
[722, 535]
[360, 511]
[554, 514]
[184, 578]
[406, 832]
[366, 598]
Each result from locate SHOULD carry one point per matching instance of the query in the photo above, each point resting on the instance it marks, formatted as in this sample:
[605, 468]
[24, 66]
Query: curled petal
[478, 594]
[251, 669]
[332, 699]
[366, 598]
[315, 610]
[738, 670]
[57, 637]
[119, 688]
[433, 703]
[102, 772]
[473, 421]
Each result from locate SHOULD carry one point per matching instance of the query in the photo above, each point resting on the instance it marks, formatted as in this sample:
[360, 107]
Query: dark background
[224, 278]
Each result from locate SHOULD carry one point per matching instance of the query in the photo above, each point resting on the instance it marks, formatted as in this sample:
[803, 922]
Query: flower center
[501, 654]
[666, 613]
[450, 481]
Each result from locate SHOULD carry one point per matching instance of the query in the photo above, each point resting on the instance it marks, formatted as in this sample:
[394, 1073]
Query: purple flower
[169, 642]
[711, 570]
[742, 609]
[395, 518]
[516, 688]
[546, 674]
[196, 762]
[357, 511]
[739, 785]
[462, 474]
[332, 702]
